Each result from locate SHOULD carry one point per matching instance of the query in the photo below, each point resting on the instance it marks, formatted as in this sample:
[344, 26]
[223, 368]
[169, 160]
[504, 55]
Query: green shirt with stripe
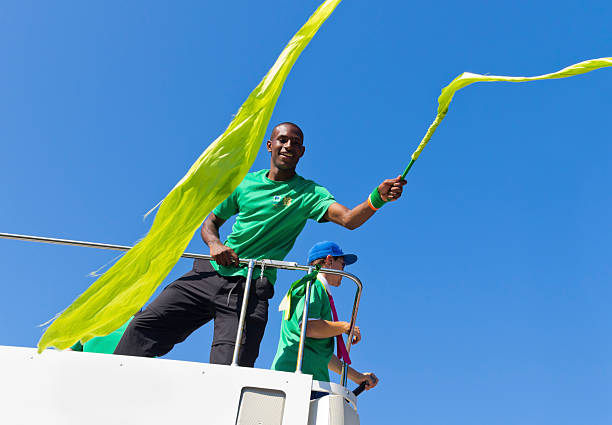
[317, 351]
[271, 215]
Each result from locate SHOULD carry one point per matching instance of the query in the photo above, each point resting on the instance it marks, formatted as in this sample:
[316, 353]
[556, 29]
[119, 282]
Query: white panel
[319, 412]
[340, 412]
[332, 410]
[101, 389]
[261, 406]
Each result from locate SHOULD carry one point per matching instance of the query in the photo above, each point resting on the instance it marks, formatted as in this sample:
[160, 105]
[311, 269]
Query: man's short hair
[297, 127]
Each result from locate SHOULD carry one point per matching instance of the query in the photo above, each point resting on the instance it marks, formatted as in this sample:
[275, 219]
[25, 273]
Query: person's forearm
[325, 329]
[389, 190]
[210, 231]
[358, 215]
[222, 254]
[351, 219]
[335, 365]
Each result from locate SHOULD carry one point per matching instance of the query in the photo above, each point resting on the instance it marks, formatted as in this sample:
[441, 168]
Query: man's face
[335, 264]
[286, 147]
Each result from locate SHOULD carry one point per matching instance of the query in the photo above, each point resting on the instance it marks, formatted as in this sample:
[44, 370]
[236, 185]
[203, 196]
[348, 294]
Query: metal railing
[283, 265]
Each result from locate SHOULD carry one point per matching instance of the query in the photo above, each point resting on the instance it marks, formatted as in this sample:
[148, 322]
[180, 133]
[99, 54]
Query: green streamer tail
[467, 78]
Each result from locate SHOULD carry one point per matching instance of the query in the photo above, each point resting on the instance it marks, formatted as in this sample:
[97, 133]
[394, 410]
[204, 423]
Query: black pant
[193, 300]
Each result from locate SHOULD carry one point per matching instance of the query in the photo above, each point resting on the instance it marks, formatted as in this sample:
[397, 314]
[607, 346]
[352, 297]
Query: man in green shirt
[323, 328]
[273, 207]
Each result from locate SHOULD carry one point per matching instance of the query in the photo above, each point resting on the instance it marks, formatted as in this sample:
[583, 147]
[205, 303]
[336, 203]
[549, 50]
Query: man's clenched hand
[223, 255]
[391, 189]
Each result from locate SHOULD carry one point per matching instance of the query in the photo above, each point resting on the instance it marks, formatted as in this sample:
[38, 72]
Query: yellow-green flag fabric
[468, 78]
[120, 292]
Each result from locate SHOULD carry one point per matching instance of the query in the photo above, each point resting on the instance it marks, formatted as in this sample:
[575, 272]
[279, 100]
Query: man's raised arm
[222, 254]
[389, 190]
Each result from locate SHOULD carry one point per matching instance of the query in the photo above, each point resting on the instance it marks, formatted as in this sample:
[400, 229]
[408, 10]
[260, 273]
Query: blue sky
[487, 286]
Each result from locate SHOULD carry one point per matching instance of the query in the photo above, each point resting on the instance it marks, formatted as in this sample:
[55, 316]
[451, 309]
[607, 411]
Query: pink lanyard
[342, 353]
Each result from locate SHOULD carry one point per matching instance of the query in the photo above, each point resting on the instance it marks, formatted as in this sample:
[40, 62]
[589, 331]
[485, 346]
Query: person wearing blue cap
[323, 325]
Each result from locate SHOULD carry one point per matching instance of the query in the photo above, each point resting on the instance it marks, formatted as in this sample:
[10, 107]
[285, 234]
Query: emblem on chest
[279, 201]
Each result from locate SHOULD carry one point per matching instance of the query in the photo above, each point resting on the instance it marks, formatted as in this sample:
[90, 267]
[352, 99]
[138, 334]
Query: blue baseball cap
[325, 248]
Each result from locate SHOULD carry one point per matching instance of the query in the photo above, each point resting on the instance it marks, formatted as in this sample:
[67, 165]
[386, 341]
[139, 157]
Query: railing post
[300, 357]
[245, 302]
[344, 374]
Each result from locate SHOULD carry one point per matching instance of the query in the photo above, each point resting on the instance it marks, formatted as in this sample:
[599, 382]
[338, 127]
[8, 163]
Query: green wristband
[375, 200]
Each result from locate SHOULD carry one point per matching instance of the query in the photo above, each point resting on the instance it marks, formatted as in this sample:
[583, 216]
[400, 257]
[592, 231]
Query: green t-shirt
[271, 215]
[102, 344]
[317, 351]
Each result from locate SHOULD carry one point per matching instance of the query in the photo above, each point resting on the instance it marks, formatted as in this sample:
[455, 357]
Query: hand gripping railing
[284, 265]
